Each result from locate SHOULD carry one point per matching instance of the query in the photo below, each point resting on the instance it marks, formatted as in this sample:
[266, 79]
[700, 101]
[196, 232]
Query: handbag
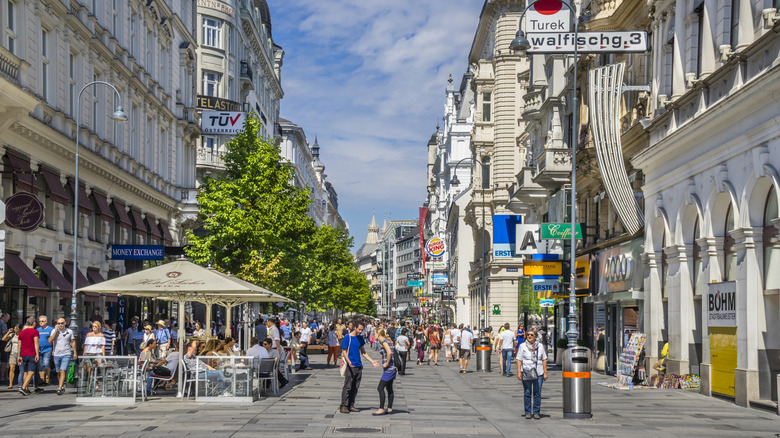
[9, 345]
[71, 377]
[531, 374]
[343, 369]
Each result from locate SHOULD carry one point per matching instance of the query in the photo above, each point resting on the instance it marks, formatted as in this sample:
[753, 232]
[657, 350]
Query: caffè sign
[23, 211]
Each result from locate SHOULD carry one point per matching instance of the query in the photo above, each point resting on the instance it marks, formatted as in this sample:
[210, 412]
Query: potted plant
[561, 345]
[600, 358]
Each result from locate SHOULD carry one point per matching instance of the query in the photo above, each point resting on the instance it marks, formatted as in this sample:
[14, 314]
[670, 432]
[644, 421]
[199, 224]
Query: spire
[373, 230]
[384, 225]
[315, 152]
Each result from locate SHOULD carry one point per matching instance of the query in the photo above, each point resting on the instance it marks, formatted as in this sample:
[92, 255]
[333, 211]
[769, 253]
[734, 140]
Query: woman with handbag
[389, 373]
[12, 347]
[532, 363]
[435, 342]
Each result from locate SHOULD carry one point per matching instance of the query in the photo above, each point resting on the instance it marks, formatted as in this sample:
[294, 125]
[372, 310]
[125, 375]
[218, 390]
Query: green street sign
[560, 231]
[415, 283]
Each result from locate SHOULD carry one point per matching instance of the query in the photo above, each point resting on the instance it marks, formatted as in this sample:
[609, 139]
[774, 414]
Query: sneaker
[344, 410]
[24, 392]
[59, 391]
[353, 409]
[38, 390]
[536, 416]
[527, 416]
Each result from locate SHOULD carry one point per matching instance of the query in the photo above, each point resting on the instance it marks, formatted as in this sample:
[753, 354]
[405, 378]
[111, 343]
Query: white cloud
[368, 77]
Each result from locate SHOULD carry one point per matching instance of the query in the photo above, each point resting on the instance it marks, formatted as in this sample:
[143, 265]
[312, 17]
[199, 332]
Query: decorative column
[750, 314]
[653, 307]
[680, 295]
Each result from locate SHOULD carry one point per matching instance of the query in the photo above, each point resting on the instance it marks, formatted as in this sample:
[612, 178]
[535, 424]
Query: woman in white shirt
[333, 345]
[95, 342]
[401, 348]
[532, 370]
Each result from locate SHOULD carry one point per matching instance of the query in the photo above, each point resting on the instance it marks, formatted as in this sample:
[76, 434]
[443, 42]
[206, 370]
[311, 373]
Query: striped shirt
[110, 336]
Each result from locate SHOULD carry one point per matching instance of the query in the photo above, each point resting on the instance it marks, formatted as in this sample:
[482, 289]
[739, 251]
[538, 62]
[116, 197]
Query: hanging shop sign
[435, 247]
[560, 231]
[23, 211]
[439, 278]
[415, 283]
[582, 272]
[546, 285]
[137, 252]
[504, 235]
[542, 267]
[547, 16]
[436, 264]
[222, 122]
[589, 42]
[546, 303]
[529, 240]
[619, 268]
[216, 104]
[722, 304]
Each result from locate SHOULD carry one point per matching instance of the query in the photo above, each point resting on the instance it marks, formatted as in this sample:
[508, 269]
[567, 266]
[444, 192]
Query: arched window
[771, 243]
[697, 288]
[729, 253]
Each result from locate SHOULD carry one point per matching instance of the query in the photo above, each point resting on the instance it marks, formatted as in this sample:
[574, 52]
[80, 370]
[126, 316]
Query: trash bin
[576, 383]
[483, 354]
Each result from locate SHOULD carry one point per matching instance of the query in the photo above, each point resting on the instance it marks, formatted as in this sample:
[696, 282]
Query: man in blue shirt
[352, 346]
[44, 332]
[163, 337]
[286, 330]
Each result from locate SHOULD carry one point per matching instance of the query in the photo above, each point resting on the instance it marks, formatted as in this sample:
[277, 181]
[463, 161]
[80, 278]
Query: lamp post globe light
[521, 43]
[455, 182]
[119, 116]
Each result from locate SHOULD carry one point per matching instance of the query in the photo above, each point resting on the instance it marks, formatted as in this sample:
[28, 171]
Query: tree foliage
[256, 227]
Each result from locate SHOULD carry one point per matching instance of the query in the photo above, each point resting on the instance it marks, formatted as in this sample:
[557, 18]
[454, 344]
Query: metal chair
[266, 371]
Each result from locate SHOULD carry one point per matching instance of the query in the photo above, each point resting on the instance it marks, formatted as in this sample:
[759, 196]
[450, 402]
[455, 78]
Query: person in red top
[29, 354]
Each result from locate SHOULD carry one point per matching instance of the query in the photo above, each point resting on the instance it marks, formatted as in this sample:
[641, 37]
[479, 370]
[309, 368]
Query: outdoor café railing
[226, 379]
[107, 379]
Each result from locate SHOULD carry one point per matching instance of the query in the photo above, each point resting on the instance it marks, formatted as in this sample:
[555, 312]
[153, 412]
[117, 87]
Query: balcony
[482, 132]
[10, 66]
[553, 167]
[533, 102]
[210, 158]
[528, 192]
[246, 74]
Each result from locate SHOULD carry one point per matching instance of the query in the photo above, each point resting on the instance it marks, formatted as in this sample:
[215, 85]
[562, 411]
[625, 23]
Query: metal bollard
[483, 354]
[576, 383]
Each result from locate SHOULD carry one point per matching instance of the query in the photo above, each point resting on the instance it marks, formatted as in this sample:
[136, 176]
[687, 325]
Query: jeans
[536, 387]
[44, 361]
[215, 375]
[61, 363]
[304, 361]
[506, 355]
[386, 385]
[351, 384]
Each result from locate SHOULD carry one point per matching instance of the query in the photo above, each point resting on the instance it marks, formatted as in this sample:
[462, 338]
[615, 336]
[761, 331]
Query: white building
[136, 178]
[239, 69]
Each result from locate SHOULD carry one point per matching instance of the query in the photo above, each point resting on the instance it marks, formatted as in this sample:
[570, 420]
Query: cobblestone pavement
[430, 401]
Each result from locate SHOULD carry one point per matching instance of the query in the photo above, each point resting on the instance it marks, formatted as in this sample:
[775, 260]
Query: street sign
[435, 247]
[548, 16]
[634, 41]
[560, 231]
[547, 303]
[415, 283]
[439, 278]
[546, 285]
[542, 267]
[415, 276]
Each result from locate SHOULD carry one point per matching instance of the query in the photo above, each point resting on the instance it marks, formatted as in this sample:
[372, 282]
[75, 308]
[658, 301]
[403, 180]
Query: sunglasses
[60, 322]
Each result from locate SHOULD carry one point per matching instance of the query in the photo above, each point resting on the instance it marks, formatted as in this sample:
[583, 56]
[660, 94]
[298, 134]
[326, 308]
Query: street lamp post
[120, 116]
[455, 182]
[521, 43]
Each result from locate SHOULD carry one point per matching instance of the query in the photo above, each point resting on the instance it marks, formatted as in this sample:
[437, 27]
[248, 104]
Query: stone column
[750, 310]
[680, 295]
[711, 266]
[653, 308]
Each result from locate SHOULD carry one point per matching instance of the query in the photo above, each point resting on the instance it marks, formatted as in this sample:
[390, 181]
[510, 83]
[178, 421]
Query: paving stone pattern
[430, 401]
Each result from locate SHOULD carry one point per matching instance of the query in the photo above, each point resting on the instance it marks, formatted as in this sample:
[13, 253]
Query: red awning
[103, 208]
[138, 221]
[81, 280]
[167, 233]
[85, 207]
[153, 228]
[57, 192]
[35, 287]
[121, 215]
[95, 277]
[25, 180]
[56, 277]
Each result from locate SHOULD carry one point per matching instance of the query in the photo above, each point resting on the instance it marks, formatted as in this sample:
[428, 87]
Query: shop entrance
[613, 338]
[723, 355]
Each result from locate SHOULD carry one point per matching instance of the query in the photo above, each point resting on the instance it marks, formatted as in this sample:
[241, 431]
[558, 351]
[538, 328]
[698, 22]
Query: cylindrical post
[572, 333]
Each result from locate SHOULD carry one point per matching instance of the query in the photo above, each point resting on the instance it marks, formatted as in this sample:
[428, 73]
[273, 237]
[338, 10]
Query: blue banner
[137, 252]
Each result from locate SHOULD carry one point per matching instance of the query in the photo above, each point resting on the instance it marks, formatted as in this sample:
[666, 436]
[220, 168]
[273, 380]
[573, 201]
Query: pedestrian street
[429, 401]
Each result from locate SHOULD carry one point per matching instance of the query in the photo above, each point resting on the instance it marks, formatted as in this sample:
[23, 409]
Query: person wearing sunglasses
[64, 342]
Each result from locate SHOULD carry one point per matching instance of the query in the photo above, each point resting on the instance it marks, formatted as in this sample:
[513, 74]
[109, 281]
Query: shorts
[28, 362]
[434, 347]
[44, 362]
[465, 353]
[61, 363]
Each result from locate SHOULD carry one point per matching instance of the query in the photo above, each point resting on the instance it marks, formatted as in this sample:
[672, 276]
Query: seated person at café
[256, 349]
[210, 373]
[295, 343]
[164, 368]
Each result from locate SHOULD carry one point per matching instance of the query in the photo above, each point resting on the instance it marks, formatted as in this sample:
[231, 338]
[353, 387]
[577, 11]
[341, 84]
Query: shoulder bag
[531, 374]
[344, 365]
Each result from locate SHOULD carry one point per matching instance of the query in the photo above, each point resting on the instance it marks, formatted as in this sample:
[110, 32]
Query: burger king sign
[435, 247]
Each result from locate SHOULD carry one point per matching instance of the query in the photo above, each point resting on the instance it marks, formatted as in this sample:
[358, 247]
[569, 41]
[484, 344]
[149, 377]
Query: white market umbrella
[182, 281]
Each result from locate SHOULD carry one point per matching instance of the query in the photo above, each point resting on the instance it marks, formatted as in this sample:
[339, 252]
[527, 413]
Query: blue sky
[368, 78]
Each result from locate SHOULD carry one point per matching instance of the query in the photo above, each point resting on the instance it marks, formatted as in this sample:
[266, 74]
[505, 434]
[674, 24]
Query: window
[11, 27]
[211, 83]
[734, 35]
[135, 143]
[699, 11]
[133, 36]
[771, 243]
[72, 84]
[162, 168]
[114, 19]
[729, 252]
[45, 64]
[149, 52]
[212, 33]
[485, 172]
[486, 101]
[209, 143]
[96, 107]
